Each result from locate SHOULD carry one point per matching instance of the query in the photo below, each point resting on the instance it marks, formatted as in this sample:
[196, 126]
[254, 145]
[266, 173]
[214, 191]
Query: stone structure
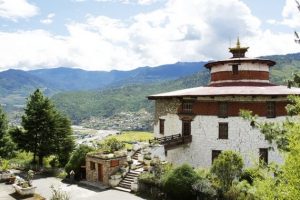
[207, 118]
[99, 167]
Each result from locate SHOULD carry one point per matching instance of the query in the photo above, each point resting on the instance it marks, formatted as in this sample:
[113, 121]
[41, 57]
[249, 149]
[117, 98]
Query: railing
[172, 141]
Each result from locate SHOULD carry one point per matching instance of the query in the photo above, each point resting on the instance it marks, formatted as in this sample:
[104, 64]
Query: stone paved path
[74, 191]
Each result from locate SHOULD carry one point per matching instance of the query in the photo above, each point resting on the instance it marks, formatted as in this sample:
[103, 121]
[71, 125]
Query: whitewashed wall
[205, 129]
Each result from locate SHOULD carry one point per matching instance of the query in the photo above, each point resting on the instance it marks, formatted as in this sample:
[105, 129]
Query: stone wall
[241, 138]
[164, 107]
[107, 167]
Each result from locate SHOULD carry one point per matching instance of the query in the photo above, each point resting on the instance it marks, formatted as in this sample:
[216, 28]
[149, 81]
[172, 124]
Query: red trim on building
[241, 83]
[258, 108]
[242, 75]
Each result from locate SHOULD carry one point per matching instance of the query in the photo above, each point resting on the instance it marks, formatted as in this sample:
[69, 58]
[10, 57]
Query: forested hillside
[130, 98]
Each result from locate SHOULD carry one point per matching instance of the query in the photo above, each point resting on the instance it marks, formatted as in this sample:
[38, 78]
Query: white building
[196, 124]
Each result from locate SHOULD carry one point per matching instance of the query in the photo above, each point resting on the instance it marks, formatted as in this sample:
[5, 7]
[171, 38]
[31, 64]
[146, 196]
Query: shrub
[240, 191]
[178, 183]
[77, 159]
[227, 167]
[111, 145]
[22, 160]
[148, 178]
[204, 187]
[251, 174]
[57, 194]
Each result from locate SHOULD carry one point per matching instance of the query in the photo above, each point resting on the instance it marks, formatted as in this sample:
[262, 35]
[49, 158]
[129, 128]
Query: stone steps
[122, 189]
[128, 180]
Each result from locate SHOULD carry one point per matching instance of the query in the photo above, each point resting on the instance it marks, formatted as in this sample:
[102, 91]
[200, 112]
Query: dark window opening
[223, 130]
[186, 128]
[161, 126]
[92, 165]
[223, 109]
[271, 109]
[187, 107]
[263, 155]
[235, 69]
[214, 155]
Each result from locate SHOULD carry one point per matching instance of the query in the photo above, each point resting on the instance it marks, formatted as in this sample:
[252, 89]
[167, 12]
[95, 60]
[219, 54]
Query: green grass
[129, 137]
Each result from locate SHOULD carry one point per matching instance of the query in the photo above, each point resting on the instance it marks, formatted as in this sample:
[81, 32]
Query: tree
[286, 183]
[78, 159]
[179, 182]
[46, 132]
[7, 147]
[227, 167]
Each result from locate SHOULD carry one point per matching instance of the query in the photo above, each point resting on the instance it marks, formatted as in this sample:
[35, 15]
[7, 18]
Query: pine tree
[46, 132]
[6, 145]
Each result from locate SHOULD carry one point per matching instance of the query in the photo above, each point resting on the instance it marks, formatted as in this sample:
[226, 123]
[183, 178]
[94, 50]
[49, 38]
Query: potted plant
[11, 179]
[24, 187]
[147, 159]
[4, 170]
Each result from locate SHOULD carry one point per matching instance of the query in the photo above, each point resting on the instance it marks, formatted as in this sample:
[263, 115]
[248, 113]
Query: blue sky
[125, 34]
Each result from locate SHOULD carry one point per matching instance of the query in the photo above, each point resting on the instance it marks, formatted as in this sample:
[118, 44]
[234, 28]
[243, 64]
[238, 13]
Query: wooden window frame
[114, 163]
[92, 165]
[235, 69]
[264, 155]
[187, 107]
[186, 127]
[162, 126]
[215, 154]
[223, 109]
[223, 130]
[271, 109]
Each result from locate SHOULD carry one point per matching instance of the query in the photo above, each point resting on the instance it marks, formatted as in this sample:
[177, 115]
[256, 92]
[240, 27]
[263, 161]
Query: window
[161, 126]
[235, 69]
[223, 109]
[223, 130]
[271, 109]
[186, 127]
[214, 155]
[92, 165]
[187, 107]
[263, 155]
[114, 163]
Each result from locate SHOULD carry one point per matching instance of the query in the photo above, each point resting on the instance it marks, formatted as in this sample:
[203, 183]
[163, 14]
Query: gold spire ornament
[238, 51]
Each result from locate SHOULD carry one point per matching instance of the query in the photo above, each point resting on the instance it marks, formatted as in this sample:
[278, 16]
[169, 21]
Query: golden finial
[238, 51]
[238, 45]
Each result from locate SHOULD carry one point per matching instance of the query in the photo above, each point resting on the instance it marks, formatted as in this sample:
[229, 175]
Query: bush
[252, 174]
[111, 145]
[22, 160]
[240, 191]
[178, 183]
[204, 187]
[227, 167]
[148, 178]
[78, 159]
[57, 194]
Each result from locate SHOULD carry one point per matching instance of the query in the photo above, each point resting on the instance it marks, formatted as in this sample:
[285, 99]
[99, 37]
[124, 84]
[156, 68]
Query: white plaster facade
[204, 129]
[248, 66]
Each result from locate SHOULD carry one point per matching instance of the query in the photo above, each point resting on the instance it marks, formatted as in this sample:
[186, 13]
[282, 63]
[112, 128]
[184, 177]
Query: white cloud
[15, 9]
[141, 2]
[48, 19]
[166, 35]
[291, 14]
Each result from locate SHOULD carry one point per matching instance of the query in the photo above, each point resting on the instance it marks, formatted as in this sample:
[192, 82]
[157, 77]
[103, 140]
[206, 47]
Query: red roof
[230, 90]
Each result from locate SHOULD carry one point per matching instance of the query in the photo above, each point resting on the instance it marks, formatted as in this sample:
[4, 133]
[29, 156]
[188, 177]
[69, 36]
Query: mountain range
[83, 94]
